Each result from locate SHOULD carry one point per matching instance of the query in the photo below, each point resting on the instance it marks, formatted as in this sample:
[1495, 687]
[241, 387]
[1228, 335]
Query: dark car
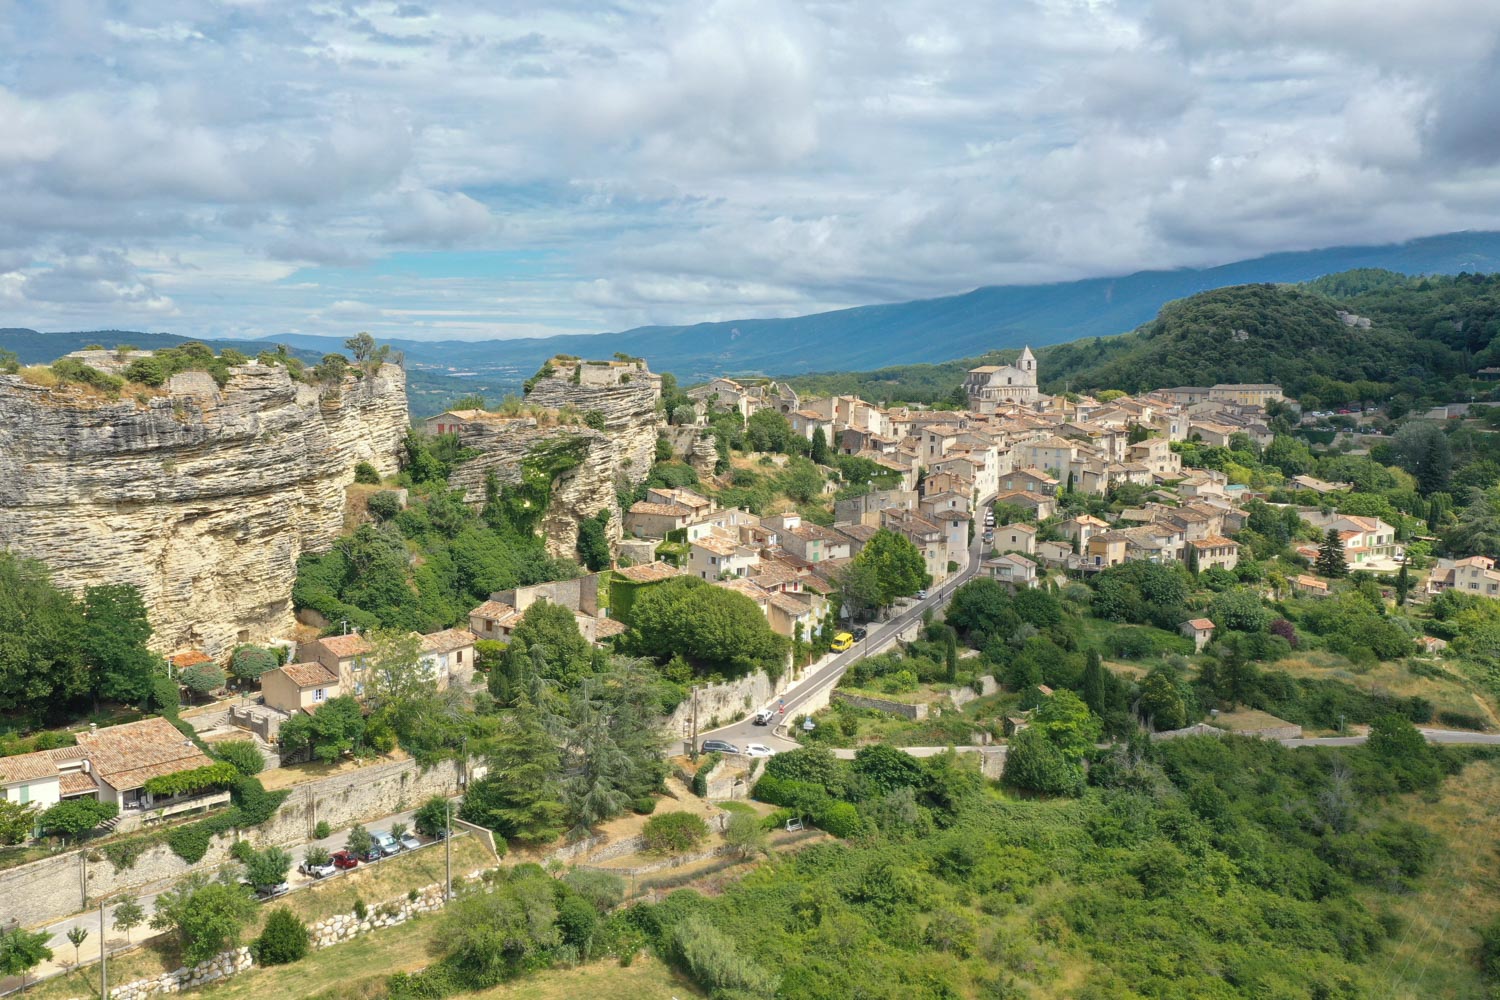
[373, 854]
[718, 746]
[272, 891]
[860, 632]
[343, 860]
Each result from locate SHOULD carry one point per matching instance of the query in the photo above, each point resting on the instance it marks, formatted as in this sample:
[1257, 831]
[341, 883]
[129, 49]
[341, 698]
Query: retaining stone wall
[913, 712]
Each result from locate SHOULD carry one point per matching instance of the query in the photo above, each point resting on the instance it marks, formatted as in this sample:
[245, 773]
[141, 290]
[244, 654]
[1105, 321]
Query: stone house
[646, 519]
[1200, 630]
[785, 611]
[1246, 394]
[1031, 480]
[447, 657]
[715, 555]
[1215, 551]
[1041, 506]
[814, 543]
[1018, 537]
[494, 620]
[122, 759]
[1309, 586]
[298, 687]
[347, 656]
[929, 538]
[1105, 549]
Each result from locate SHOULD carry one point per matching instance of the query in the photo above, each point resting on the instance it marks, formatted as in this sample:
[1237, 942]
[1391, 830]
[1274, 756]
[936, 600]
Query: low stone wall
[343, 927]
[961, 696]
[913, 712]
[225, 963]
[676, 861]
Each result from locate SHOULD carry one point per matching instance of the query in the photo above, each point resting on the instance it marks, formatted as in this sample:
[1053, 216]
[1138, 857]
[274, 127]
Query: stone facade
[626, 393]
[202, 497]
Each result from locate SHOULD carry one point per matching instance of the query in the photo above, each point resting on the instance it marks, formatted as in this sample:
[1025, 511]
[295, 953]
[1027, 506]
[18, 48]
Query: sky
[467, 171]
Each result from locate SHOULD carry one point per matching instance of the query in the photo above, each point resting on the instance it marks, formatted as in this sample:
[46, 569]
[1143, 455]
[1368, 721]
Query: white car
[758, 750]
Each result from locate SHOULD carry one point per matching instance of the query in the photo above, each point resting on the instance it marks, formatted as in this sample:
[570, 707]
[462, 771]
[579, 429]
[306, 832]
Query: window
[25, 794]
[359, 690]
[318, 695]
[459, 657]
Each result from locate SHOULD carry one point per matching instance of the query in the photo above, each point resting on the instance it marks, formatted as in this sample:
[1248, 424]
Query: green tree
[897, 563]
[114, 642]
[40, 631]
[767, 430]
[950, 654]
[746, 836]
[593, 542]
[551, 631]
[206, 916]
[1403, 584]
[1093, 687]
[1035, 764]
[1161, 701]
[268, 867]
[857, 588]
[1068, 724]
[887, 768]
[72, 818]
[21, 951]
[359, 841]
[332, 731]
[433, 816]
[488, 937]
[76, 936]
[128, 915]
[202, 679]
[247, 663]
[1240, 609]
[820, 453]
[519, 797]
[17, 820]
[284, 939]
[1330, 561]
[717, 629]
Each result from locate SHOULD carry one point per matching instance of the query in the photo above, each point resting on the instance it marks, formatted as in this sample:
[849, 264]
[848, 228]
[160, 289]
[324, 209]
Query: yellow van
[841, 642]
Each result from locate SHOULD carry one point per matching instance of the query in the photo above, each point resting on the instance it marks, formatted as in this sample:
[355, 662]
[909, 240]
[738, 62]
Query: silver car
[409, 841]
[386, 844]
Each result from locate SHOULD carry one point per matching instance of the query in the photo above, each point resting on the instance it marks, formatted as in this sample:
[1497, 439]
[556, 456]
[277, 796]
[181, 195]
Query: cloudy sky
[437, 170]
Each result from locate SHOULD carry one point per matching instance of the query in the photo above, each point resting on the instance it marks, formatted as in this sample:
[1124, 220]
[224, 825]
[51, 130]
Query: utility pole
[693, 749]
[103, 952]
[448, 851]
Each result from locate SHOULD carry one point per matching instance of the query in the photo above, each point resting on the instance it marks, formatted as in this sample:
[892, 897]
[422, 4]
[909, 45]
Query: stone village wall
[70, 882]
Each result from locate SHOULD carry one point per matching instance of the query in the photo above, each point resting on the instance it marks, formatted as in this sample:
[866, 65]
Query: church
[993, 387]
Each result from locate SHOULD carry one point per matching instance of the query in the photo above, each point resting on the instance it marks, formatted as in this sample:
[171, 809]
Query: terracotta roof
[664, 509]
[27, 767]
[493, 610]
[745, 587]
[857, 532]
[1212, 541]
[344, 646]
[448, 640]
[1310, 581]
[127, 756]
[306, 675]
[190, 658]
[606, 627]
[73, 783]
[717, 545]
[1200, 623]
[790, 605]
[648, 572]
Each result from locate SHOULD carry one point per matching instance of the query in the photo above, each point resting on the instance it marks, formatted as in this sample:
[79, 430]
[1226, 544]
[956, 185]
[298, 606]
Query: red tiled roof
[190, 658]
[647, 572]
[306, 675]
[448, 640]
[1201, 623]
[27, 767]
[344, 646]
[493, 610]
[128, 756]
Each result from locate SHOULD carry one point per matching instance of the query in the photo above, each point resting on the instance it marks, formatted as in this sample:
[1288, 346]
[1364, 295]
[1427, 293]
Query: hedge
[700, 777]
[219, 775]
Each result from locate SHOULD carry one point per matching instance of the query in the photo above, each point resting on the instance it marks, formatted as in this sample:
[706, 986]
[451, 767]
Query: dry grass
[1248, 720]
[1447, 692]
[40, 375]
[1432, 957]
[643, 979]
[296, 774]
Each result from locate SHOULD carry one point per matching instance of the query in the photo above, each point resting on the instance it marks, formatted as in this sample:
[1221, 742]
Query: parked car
[318, 871]
[272, 891]
[764, 717]
[841, 642]
[860, 632]
[718, 746]
[409, 841]
[758, 750]
[343, 860]
[386, 844]
[921, 595]
[373, 854]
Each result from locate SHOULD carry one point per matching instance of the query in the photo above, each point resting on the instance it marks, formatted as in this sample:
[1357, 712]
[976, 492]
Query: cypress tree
[1094, 692]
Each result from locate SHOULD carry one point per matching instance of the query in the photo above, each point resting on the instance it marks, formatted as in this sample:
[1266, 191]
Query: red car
[344, 860]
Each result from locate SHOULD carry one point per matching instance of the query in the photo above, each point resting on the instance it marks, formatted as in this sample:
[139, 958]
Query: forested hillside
[1425, 339]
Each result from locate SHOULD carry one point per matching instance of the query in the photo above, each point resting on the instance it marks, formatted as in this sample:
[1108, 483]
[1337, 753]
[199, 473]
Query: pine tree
[820, 453]
[520, 797]
[1331, 556]
[1094, 692]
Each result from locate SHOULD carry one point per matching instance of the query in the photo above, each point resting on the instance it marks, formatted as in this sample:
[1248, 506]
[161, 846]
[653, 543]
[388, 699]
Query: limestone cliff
[578, 464]
[625, 392]
[204, 497]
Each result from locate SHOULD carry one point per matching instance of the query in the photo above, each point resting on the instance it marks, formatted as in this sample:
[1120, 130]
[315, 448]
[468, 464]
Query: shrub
[211, 776]
[384, 505]
[674, 832]
[284, 939]
[603, 890]
[247, 663]
[359, 841]
[840, 819]
[322, 830]
[366, 473]
[73, 817]
[202, 679]
[317, 856]
[242, 851]
[361, 911]
[700, 777]
[713, 960]
[643, 806]
[1463, 720]
[432, 817]
[243, 755]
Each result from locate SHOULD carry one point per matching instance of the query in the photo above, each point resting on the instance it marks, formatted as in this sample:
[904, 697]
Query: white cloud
[666, 161]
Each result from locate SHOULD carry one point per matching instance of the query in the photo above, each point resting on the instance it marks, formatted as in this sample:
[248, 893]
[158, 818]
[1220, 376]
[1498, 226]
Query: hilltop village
[619, 620]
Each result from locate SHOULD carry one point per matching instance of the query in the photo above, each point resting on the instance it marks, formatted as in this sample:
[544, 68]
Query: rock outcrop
[583, 484]
[204, 497]
[626, 393]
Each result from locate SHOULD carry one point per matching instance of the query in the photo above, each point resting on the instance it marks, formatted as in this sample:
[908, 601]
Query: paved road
[1450, 736]
[146, 895]
[827, 674]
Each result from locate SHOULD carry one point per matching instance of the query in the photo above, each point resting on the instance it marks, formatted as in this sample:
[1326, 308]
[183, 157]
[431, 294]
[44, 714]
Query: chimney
[93, 727]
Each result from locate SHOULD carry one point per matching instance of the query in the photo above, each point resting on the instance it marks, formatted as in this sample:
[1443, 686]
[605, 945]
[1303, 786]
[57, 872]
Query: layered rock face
[202, 497]
[625, 392]
[578, 492]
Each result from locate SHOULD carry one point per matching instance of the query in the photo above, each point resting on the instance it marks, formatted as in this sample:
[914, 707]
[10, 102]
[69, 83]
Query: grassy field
[1438, 683]
[1433, 957]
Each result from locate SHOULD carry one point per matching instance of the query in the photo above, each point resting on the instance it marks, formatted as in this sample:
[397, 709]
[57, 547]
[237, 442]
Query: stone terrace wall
[914, 712]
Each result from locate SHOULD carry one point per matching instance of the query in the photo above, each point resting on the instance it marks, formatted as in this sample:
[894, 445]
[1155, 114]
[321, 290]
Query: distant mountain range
[955, 326]
[926, 330]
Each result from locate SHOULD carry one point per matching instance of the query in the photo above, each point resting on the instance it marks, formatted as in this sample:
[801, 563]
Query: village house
[646, 519]
[1215, 551]
[1365, 539]
[1317, 485]
[454, 421]
[494, 620]
[447, 657]
[715, 555]
[1015, 571]
[1031, 480]
[298, 687]
[1042, 507]
[122, 759]
[1083, 527]
[1246, 394]
[346, 656]
[1016, 537]
[1474, 575]
[810, 542]
[1105, 549]
[1200, 630]
[1055, 553]
[786, 610]
[1309, 586]
[929, 538]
